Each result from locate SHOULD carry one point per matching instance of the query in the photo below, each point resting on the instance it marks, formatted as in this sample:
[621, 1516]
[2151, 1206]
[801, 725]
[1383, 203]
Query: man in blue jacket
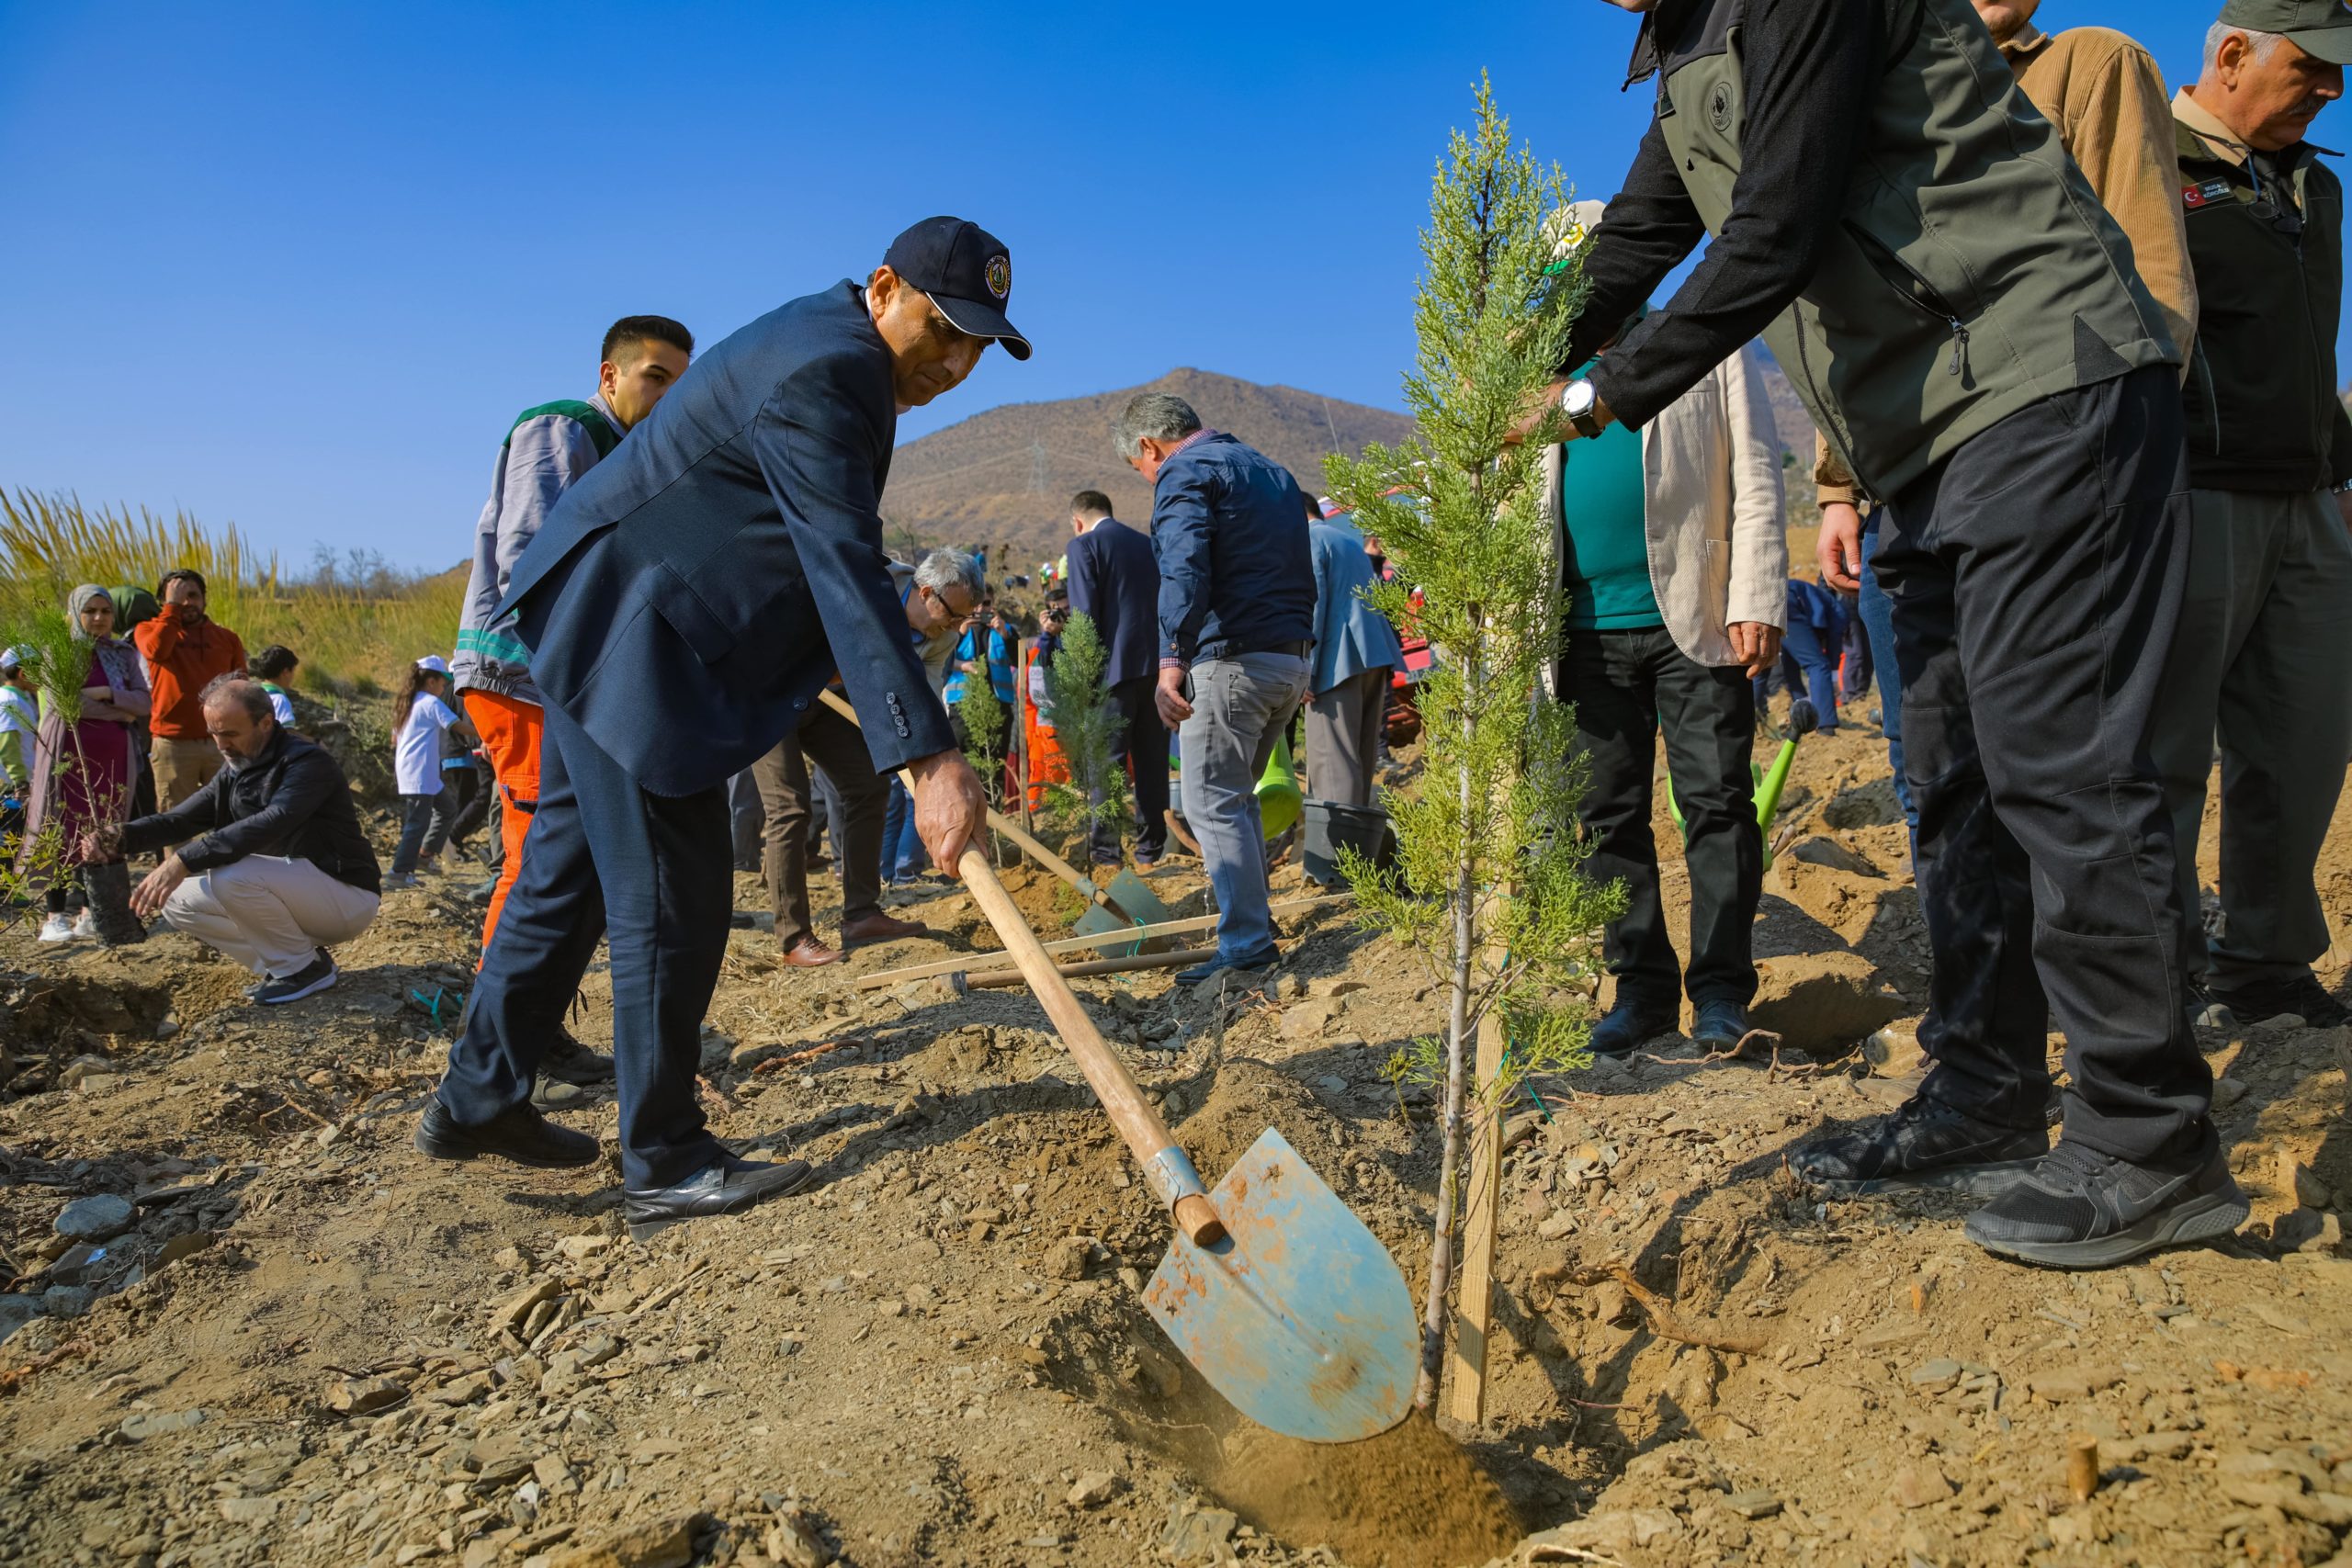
[1114, 579]
[683, 603]
[1356, 654]
[1236, 623]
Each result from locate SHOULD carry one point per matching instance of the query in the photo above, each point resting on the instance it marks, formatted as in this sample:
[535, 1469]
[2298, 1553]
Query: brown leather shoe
[878, 927]
[810, 953]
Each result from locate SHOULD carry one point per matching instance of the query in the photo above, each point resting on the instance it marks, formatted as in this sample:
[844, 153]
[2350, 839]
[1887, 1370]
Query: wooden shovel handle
[1154, 1148]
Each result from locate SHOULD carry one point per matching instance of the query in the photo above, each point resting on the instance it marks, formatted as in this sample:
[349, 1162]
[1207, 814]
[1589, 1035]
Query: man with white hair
[2264, 653]
[936, 595]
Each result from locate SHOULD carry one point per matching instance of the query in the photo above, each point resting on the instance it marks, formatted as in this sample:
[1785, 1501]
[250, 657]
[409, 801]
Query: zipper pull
[1959, 346]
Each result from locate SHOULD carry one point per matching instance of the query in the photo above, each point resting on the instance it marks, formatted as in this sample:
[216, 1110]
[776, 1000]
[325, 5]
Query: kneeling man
[274, 870]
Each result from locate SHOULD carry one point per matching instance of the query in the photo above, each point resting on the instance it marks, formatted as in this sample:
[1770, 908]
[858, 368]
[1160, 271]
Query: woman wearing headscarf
[84, 785]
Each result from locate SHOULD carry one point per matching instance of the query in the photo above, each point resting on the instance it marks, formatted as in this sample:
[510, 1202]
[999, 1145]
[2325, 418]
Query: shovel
[1126, 903]
[1286, 1304]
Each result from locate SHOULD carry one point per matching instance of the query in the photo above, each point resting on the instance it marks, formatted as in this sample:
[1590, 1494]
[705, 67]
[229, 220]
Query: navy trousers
[657, 869]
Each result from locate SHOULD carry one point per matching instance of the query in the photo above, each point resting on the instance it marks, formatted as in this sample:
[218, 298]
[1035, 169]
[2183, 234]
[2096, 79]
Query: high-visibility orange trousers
[510, 731]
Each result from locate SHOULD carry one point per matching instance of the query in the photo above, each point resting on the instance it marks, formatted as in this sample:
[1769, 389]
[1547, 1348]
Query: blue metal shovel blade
[1298, 1316]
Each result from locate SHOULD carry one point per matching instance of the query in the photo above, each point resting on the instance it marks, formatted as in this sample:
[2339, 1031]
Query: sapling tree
[1489, 885]
[1085, 725]
[38, 857]
[984, 722]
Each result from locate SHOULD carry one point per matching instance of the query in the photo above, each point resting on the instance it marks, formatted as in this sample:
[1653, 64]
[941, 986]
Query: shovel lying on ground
[1286, 1304]
[1126, 903]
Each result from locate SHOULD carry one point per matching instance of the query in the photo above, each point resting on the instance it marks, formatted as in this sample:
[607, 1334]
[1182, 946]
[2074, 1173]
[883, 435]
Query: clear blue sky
[297, 267]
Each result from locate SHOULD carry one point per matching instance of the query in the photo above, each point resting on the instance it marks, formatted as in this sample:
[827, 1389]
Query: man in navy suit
[1114, 579]
[683, 603]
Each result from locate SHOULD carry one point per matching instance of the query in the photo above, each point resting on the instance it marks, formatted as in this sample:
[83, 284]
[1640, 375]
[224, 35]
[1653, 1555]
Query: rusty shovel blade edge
[1299, 1316]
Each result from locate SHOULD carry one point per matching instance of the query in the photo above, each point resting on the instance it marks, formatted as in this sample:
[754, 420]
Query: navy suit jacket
[684, 600]
[1115, 578]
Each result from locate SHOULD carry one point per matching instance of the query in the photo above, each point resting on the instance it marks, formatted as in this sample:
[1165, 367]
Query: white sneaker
[86, 925]
[57, 927]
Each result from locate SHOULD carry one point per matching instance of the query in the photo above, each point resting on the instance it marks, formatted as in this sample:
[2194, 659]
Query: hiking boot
[1628, 1024]
[2304, 997]
[308, 981]
[1923, 1142]
[1718, 1027]
[568, 1061]
[2081, 1209]
[723, 1187]
[521, 1134]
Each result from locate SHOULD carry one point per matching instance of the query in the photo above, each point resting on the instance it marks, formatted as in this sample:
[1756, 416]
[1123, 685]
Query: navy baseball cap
[967, 273]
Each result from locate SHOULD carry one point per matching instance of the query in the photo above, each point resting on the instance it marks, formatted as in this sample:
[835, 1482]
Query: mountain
[1003, 478]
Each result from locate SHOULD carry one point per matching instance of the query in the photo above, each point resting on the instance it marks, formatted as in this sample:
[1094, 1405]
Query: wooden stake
[1474, 1305]
[2082, 1466]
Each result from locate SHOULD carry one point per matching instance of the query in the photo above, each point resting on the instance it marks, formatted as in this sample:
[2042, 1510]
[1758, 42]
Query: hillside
[1003, 478]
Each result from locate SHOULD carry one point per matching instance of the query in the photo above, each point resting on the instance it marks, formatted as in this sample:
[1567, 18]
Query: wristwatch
[1578, 402]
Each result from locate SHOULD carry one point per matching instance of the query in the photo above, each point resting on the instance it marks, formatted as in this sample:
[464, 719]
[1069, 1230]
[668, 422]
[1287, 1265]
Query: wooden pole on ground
[1078, 943]
[1001, 980]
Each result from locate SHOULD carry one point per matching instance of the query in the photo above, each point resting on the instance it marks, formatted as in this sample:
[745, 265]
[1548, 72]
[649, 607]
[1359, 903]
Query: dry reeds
[349, 638]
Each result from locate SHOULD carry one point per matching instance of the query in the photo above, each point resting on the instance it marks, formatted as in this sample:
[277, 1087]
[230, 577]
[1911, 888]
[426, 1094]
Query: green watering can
[1802, 721]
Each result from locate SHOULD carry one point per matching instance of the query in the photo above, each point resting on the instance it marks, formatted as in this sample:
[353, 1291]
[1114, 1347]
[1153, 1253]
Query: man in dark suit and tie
[1114, 579]
[683, 603]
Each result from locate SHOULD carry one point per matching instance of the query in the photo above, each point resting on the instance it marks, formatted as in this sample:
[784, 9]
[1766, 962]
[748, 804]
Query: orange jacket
[181, 661]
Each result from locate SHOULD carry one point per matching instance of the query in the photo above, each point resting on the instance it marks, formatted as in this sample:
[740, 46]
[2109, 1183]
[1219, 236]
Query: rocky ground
[250, 1325]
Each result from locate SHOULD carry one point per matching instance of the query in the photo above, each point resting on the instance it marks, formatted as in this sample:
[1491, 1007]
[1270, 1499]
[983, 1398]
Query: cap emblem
[1000, 275]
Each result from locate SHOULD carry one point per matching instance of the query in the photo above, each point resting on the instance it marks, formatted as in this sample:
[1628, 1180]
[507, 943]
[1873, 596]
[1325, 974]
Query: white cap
[434, 664]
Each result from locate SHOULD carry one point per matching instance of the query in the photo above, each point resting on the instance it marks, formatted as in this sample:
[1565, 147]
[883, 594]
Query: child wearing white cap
[419, 716]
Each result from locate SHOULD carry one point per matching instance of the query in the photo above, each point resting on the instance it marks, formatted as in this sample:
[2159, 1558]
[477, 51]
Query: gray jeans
[1239, 709]
[2263, 662]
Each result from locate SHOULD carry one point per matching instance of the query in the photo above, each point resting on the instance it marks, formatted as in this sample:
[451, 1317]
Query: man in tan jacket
[1674, 565]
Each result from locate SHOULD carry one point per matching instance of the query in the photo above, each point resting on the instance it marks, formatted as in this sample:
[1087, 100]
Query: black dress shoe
[521, 1134]
[722, 1187]
[1718, 1026]
[1629, 1024]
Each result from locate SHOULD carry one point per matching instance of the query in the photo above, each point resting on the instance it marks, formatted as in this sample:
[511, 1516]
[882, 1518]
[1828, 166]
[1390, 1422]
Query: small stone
[1198, 1535]
[792, 1540]
[67, 1301]
[667, 1543]
[2227, 1091]
[555, 1473]
[248, 1510]
[2074, 1382]
[513, 1312]
[1919, 1486]
[1092, 1489]
[16, 1311]
[1558, 1224]
[96, 1218]
[157, 1424]
[187, 1244]
[1934, 1376]
[1066, 1259]
[1755, 1504]
[363, 1396]
[2295, 1179]
[580, 1248]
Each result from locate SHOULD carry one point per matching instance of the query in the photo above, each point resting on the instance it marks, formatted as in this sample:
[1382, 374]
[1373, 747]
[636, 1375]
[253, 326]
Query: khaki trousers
[182, 767]
[268, 912]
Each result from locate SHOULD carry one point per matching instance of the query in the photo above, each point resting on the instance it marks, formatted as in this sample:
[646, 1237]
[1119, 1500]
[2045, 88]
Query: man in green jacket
[2264, 653]
[1963, 320]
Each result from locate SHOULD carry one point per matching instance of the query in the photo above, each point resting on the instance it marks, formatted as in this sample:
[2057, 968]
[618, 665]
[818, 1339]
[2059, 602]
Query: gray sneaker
[2081, 1209]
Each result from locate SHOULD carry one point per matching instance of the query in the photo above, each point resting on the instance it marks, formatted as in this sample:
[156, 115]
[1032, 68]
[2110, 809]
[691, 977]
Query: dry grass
[350, 639]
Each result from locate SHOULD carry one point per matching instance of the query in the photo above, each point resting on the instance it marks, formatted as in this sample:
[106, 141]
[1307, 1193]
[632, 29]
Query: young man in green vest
[546, 451]
[2264, 654]
[1964, 322]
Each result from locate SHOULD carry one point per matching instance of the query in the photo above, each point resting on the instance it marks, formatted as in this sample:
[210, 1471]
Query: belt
[1299, 649]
